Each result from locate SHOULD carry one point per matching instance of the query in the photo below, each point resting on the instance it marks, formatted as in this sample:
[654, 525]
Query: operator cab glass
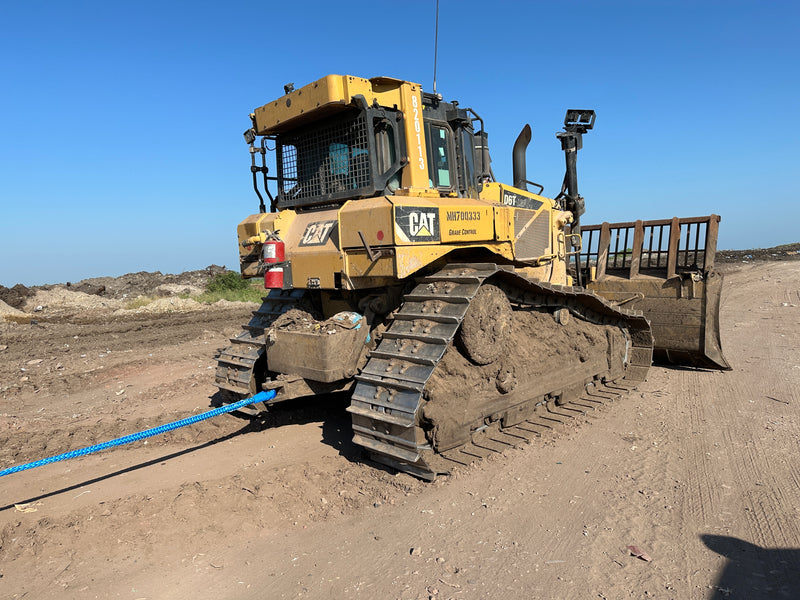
[386, 154]
[468, 165]
[438, 139]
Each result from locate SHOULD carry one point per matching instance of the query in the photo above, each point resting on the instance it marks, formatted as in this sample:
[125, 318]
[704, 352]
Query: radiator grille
[533, 239]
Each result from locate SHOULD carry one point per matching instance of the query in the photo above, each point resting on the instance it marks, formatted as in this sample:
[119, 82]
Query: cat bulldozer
[447, 303]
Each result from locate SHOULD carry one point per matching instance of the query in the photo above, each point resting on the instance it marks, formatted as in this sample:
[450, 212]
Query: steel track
[389, 394]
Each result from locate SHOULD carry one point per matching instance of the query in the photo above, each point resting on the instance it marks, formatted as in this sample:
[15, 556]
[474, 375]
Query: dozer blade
[665, 269]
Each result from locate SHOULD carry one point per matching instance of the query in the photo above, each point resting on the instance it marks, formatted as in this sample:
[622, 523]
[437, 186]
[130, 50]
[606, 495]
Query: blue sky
[121, 123]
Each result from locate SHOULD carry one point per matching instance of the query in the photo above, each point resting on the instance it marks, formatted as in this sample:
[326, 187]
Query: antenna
[435, 46]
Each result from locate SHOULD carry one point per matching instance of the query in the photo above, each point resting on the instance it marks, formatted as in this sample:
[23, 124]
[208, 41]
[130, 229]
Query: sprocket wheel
[483, 332]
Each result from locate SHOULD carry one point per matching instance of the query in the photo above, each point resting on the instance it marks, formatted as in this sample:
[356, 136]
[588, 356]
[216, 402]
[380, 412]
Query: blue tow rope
[260, 397]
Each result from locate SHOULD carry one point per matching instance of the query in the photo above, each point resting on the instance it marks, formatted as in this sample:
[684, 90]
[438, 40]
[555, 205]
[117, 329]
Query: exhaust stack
[518, 158]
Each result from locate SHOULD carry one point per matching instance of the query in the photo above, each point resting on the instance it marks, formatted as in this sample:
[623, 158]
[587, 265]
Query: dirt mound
[784, 252]
[58, 299]
[108, 294]
[145, 283]
[296, 319]
[163, 305]
[15, 296]
[9, 311]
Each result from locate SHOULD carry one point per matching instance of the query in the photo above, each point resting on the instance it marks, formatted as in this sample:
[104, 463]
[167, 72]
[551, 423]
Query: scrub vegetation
[232, 287]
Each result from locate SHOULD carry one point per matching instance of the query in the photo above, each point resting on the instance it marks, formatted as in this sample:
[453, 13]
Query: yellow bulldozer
[446, 302]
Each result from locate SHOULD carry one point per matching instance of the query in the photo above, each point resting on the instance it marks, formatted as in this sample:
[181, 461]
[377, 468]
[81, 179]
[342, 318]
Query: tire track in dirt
[703, 480]
[757, 507]
[649, 477]
[761, 465]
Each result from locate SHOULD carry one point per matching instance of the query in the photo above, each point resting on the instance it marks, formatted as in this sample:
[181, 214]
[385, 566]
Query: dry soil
[698, 469]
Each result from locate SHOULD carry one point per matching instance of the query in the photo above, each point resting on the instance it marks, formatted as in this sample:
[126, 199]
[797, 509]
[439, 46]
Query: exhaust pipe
[518, 158]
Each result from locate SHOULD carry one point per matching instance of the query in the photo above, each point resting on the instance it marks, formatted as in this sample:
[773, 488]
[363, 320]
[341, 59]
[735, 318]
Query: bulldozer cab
[390, 136]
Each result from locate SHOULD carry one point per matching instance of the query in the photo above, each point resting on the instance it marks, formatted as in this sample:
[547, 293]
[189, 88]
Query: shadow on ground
[753, 572]
[329, 410]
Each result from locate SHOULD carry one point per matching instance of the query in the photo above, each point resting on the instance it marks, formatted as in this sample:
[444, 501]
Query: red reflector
[273, 279]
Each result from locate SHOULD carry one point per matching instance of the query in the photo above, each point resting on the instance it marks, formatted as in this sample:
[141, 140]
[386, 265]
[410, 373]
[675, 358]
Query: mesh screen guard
[327, 161]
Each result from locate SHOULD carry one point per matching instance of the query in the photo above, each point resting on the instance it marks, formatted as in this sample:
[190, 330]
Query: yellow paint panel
[315, 270]
[255, 224]
[325, 92]
[491, 191]
[415, 220]
[335, 93]
[505, 194]
[314, 232]
[503, 223]
[312, 247]
[410, 259]
[358, 264]
[466, 223]
[372, 217]
[415, 175]
[251, 227]
[443, 220]
[249, 268]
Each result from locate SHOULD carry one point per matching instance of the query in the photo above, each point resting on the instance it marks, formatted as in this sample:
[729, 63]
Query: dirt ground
[699, 469]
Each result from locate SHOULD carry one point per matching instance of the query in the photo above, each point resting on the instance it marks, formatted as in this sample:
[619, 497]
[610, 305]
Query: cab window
[439, 156]
[469, 164]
